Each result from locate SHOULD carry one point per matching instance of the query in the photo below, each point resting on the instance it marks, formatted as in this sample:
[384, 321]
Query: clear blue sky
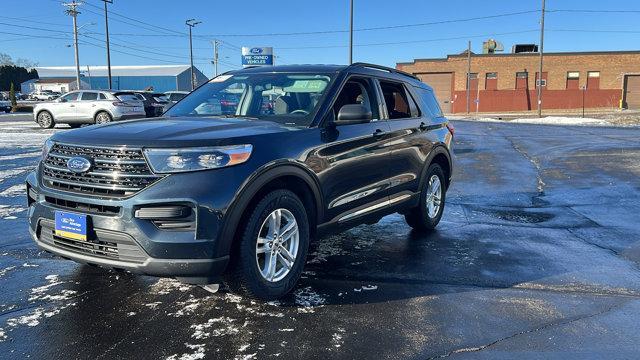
[49, 39]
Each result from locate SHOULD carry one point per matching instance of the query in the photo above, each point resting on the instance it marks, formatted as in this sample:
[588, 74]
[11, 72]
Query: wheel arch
[441, 156]
[95, 114]
[289, 175]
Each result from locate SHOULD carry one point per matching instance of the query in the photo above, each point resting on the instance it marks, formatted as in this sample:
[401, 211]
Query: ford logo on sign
[78, 164]
[256, 51]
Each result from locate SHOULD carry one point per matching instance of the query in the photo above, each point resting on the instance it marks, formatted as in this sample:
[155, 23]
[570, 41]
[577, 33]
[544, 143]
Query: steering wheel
[300, 111]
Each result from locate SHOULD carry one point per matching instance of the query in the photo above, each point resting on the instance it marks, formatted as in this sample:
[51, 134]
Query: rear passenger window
[102, 97]
[430, 102]
[395, 97]
[88, 96]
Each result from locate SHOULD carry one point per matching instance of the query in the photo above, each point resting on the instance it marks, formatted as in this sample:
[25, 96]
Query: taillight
[452, 130]
[119, 103]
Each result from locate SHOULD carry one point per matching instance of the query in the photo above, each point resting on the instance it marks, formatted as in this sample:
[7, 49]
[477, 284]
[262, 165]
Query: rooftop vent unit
[491, 47]
[524, 48]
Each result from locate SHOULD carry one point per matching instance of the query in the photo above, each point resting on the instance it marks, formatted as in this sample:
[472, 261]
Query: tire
[423, 217]
[45, 120]
[103, 117]
[252, 277]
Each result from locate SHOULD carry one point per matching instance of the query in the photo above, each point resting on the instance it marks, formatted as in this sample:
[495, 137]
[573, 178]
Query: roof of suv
[370, 69]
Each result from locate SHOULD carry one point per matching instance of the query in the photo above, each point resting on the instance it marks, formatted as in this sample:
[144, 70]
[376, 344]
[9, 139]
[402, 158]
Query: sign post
[257, 56]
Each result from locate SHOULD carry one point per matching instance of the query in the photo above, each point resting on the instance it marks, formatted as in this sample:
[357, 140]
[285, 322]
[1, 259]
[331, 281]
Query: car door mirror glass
[354, 114]
[62, 100]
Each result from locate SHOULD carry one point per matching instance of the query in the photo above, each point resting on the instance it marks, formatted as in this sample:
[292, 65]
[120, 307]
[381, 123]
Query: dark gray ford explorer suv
[202, 193]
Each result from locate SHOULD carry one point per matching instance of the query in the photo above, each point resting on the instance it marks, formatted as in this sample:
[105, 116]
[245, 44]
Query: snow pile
[14, 190]
[549, 120]
[308, 300]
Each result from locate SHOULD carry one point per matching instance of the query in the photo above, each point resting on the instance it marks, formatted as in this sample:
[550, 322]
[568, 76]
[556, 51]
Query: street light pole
[106, 26]
[191, 23]
[351, 33]
[72, 10]
[541, 50]
[215, 57]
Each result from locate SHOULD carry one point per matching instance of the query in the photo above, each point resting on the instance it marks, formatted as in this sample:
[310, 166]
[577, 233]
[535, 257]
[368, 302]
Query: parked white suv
[88, 107]
[44, 95]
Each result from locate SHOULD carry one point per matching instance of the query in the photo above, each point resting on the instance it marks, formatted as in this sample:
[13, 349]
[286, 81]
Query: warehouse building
[508, 82]
[159, 77]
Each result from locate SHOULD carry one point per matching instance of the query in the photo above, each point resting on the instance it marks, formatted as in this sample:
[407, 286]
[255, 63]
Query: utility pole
[469, 77]
[106, 26]
[541, 49]
[72, 10]
[351, 33]
[191, 23]
[215, 57]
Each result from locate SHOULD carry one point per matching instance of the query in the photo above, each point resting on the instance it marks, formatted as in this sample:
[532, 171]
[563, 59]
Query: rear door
[87, 106]
[408, 133]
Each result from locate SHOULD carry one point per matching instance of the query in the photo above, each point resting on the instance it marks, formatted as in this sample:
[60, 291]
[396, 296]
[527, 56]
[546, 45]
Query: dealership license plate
[71, 225]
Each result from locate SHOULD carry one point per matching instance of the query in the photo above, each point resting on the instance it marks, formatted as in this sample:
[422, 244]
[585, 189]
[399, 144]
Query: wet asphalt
[537, 256]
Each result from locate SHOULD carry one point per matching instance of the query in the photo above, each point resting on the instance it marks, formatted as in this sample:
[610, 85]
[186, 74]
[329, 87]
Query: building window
[593, 80]
[491, 81]
[473, 81]
[573, 80]
[522, 80]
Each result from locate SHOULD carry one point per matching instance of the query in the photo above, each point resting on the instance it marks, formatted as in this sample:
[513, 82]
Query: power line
[593, 11]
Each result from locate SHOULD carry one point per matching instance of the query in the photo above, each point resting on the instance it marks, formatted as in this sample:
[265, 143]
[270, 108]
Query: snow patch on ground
[337, 338]
[189, 306]
[331, 246]
[308, 299]
[549, 120]
[153, 305]
[4, 271]
[215, 327]
[197, 353]
[7, 211]
[14, 190]
[20, 156]
[164, 286]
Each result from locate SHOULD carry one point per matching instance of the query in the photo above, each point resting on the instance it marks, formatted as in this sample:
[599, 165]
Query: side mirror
[354, 114]
[62, 100]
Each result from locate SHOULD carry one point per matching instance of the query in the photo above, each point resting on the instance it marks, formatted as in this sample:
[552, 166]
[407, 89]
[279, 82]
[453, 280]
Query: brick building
[507, 82]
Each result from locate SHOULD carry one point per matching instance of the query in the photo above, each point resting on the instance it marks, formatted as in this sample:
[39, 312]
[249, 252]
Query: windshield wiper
[230, 116]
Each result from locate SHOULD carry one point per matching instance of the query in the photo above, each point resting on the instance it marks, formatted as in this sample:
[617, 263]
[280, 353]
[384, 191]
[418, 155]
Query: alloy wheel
[44, 119]
[277, 245]
[434, 196]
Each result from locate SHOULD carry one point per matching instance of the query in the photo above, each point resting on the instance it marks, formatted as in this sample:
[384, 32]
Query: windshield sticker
[221, 78]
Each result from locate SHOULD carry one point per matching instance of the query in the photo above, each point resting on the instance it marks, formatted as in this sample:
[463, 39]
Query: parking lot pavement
[537, 256]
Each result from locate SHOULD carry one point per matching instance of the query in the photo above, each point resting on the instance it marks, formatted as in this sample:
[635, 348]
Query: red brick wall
[611, 65]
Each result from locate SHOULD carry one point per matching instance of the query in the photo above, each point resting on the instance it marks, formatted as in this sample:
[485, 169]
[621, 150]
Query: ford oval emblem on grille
[79, 164]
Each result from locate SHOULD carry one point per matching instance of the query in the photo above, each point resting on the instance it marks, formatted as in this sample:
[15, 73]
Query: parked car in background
[89, 107]
[242, 195]
[173, 97]
[154, 103]
[5, 104]
[44, 95]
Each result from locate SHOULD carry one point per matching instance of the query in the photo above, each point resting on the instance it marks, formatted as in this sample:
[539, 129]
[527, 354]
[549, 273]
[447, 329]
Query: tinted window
[127, 97]
[89, 96]
[356, 91]
[395, 97]
[430, 102]
[71, 96]
[102, 96]
[176, 96]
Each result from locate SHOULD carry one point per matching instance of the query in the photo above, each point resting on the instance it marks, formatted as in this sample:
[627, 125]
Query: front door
[355, 178]
[65, 107]
[86, 106]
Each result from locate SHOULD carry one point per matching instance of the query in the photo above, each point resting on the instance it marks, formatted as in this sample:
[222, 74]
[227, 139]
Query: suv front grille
[115, 172]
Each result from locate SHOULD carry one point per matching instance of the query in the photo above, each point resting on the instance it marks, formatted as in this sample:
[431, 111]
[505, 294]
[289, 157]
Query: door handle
[72, 106]
[378, 133]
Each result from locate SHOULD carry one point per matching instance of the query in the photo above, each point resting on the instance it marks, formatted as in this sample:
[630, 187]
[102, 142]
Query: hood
[170, 132]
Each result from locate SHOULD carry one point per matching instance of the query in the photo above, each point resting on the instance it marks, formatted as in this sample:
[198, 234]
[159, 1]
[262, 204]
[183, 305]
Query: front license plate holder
[71, 225]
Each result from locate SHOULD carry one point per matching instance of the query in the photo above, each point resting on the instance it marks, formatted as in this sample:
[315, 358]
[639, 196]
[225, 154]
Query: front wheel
[273, 248]
[45, 120]
[428, 213]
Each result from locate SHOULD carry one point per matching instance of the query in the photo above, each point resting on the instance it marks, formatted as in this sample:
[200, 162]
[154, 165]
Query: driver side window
[357, 91]
[70, 97]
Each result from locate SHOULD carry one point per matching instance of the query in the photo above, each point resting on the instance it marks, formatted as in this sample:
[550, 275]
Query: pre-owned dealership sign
[257, 56]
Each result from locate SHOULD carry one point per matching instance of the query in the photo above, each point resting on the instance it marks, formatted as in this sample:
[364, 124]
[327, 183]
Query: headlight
[46, 148]
[194, 159]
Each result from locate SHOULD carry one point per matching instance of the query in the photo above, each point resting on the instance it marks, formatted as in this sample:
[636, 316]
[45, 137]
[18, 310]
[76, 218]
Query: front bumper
[120, 240]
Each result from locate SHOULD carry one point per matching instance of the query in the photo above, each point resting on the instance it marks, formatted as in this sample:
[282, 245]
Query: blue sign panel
[71, 226]
[257, 56]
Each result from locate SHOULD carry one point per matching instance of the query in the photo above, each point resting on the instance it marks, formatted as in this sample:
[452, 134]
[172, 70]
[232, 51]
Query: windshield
[287, 98]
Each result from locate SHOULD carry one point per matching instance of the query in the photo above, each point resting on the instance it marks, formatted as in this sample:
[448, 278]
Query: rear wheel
[45, 120]
[103, 117]
[273, 247]
[428, 213]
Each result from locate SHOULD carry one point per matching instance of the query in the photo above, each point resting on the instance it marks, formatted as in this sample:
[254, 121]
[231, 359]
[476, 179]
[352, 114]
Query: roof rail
[383, 68]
